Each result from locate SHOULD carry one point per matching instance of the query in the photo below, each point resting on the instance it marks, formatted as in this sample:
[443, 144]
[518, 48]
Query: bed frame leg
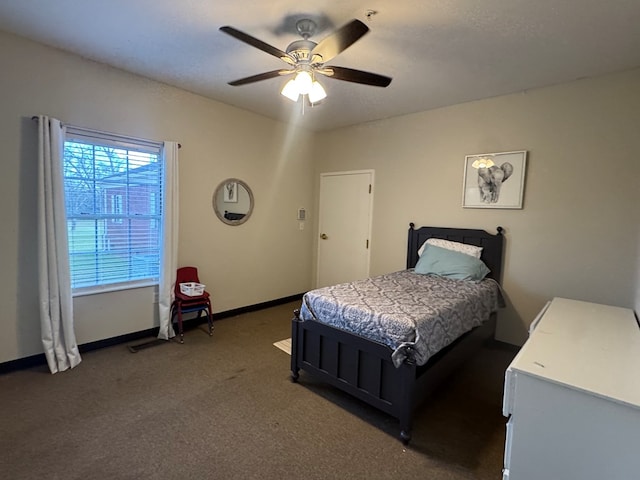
[408, 379]
[295, 370]
[405, 423]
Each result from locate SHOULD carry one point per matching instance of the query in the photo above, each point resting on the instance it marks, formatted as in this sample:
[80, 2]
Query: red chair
[188, 304]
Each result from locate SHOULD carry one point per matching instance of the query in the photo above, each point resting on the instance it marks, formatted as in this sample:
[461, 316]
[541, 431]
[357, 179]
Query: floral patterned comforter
[415, 315]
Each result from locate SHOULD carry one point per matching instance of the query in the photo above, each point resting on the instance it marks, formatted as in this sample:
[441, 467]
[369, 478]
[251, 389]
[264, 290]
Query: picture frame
[494, 180]
[230, 192]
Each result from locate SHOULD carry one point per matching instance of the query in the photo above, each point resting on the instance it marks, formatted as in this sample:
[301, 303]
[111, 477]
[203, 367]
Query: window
[113, 192]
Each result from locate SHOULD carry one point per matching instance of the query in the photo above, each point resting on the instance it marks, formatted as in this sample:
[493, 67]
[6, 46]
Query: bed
[395, 368]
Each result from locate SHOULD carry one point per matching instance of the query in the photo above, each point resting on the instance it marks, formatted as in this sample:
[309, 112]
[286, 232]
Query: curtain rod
[35, 118]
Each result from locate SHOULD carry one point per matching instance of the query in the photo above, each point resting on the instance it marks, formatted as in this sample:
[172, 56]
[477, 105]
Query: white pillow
[455, 246]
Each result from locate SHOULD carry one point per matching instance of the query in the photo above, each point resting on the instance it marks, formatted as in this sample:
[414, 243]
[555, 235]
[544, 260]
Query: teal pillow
[450, 264]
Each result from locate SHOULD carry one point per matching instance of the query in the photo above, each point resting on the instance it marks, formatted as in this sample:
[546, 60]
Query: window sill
[82, 292]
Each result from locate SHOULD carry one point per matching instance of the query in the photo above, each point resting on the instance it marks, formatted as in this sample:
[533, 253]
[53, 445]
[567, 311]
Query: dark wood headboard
[492, 244]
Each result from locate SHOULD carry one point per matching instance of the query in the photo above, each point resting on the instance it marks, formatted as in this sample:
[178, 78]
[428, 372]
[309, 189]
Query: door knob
[324, 236]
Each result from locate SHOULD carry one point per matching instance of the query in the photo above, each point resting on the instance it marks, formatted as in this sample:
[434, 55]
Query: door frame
[370, 227]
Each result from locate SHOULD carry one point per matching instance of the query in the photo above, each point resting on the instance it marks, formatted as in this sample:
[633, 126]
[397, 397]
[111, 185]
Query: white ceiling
[439, 52]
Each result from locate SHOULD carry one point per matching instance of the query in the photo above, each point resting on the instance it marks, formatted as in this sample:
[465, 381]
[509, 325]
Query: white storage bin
[192, 289]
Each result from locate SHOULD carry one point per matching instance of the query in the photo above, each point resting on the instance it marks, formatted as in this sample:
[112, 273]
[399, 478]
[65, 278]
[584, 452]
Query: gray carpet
[224, 408]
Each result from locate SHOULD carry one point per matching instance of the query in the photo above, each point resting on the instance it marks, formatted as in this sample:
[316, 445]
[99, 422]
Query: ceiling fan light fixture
[317, 93]
[307, 58]
[304, 82]
[290, 90]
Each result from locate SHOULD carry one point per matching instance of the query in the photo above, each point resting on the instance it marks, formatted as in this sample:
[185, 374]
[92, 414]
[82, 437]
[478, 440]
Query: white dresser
[572, 395]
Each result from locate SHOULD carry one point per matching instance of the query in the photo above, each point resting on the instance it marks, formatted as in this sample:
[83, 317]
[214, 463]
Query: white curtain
[56, 303]
[169, 254]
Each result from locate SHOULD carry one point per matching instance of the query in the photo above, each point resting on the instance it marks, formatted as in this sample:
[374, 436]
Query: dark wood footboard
[355, 365]
[364, 368]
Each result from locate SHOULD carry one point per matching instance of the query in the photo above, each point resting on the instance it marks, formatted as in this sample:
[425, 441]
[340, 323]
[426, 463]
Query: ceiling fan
[306, 59]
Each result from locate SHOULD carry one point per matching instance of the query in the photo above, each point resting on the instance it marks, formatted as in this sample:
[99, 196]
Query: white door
[346, 200]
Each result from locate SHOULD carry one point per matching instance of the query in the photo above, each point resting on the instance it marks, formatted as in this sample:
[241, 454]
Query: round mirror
[233, 201]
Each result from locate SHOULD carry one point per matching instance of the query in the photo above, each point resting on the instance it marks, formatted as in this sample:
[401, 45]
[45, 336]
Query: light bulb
[304, 82]
[317, 93]
[290, 90]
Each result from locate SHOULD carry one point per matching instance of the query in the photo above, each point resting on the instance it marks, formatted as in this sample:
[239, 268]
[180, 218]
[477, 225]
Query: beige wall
[265, 259]
[577, 235]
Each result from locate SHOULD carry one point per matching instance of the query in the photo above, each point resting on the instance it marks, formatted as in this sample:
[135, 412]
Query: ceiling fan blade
[259, 44]
[355, 76]
[260, 76]
[338, 41]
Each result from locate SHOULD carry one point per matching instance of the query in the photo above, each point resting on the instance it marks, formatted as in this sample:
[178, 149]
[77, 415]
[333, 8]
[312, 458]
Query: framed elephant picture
[494, 180]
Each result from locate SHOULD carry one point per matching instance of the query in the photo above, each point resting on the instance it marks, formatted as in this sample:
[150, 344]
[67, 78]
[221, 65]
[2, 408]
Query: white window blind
[113, 191]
